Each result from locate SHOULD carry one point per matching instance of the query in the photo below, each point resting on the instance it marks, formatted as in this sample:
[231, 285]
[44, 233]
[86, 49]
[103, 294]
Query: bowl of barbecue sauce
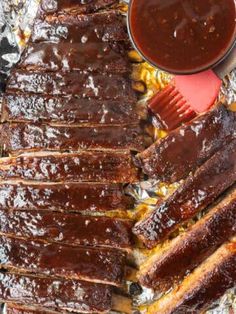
[183, 36]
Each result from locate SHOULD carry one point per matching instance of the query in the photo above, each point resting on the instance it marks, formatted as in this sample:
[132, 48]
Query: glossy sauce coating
[182, 35]
[204, 286]
[89, 85]
[70, 229]
[188, 250]
[71, 295]
[196, 193]
[102, 265]
[100, 167]
[104, 27]
[17, 309]
[102, 57]
[18, 137]
[69, 110]
[75, 197]
[75, 6]
[192, 143]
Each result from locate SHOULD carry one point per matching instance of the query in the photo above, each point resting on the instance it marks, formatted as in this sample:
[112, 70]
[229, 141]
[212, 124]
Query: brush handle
[226, 66]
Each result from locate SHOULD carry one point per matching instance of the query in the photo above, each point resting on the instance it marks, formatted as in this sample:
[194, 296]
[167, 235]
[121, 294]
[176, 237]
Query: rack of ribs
[171, 264]
[196, 193]
[183, 150]
[205, 285]
[69, 129]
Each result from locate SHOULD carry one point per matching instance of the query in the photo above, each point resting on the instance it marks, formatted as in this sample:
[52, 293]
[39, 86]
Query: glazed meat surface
[55, 294]
[20, 137]
[183, 150]
[84, 84]
[204, 286]
[66, 197]
[70, 229]
[67, 110]
[102, 265]
[195, 194]
[188, 250]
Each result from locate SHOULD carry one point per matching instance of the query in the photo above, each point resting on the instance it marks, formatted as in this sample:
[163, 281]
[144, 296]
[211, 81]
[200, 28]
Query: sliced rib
[100, 86]
[22, 309]
[75, 6]
[102, 57]
[55, 294]
[204, 286]
[69, 109]
[20, 137]
[102, 167]
[195, 194]
[106, 26]
[66, 197]
[101, 265]
[71, 229]
[183, 150]
[188, 250]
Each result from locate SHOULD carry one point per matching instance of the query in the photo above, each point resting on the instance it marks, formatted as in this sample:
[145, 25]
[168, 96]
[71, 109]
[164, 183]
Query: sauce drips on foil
[183, 35]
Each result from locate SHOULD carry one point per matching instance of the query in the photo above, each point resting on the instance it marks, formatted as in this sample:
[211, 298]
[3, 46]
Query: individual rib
[183, 150]
[66, 197]
[55, 294]
[106, 26]
[100, 265]
[102, 167]
[69, 110]
[75, 6]
[102, 57]
[195, 194]
[204, 286]
[71, 229]
[188, 250]
[21, 309]
[20, 137]
[100, 86]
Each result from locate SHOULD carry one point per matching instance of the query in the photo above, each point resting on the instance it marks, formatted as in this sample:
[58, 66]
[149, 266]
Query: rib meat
[99, 27]
[71, 229]
[18, 309]
[101, 265]
[20, 137]
[76, 197]
[103, 167]
[188, 250]
[75, 6]
[102, 57]
[196, 193]
[204, 286]
[100, 86]
[183, 150]
[55, 294]
[69, 110]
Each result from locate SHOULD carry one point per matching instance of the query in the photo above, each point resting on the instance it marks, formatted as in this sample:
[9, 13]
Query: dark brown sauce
[183, 35]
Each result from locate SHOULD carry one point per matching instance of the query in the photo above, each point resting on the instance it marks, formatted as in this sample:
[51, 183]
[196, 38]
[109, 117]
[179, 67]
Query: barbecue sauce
[183, 36]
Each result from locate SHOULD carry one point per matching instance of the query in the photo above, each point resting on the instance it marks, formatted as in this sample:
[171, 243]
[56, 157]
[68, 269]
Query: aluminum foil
[16, 18]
